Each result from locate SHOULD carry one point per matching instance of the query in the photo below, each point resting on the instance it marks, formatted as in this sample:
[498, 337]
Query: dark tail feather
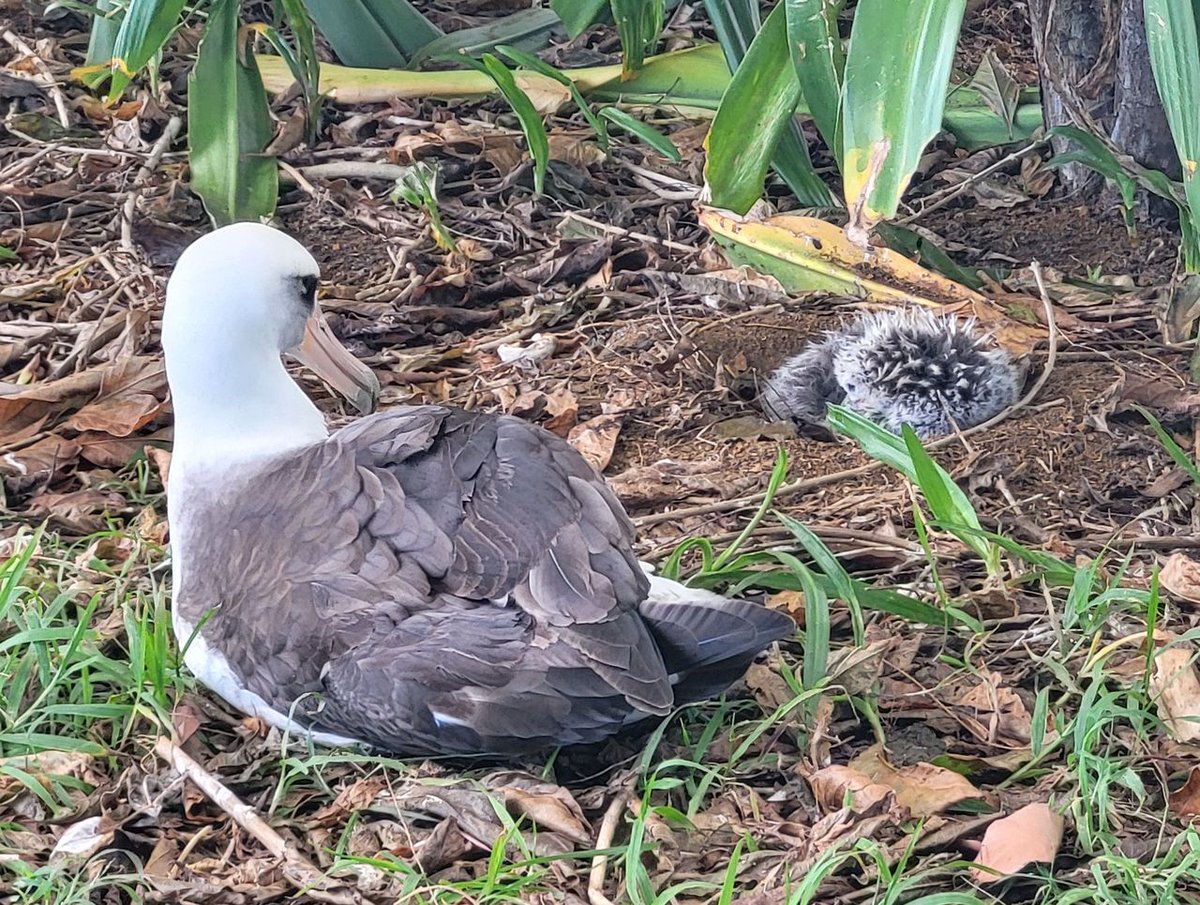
[707, 644]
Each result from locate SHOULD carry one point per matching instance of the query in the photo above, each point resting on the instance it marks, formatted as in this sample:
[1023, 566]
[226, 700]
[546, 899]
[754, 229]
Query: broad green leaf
[378, 34]
[816, 49]
[143, 32]
[1175, 59]
[736, 22]
[754, 114]
[897, 70]
[579, 14]
[7, 254]
[647, 133]
[531, 121]
[639, 24]
[528, 29]
[229, 125]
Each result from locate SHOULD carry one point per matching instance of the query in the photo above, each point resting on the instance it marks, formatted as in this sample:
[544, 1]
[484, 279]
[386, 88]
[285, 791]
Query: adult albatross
[424, 581]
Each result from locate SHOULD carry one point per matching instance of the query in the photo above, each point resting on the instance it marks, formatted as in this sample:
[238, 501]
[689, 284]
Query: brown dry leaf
[1184, 802]
[1031, 835]
[1181, 576]
[1176, 687]
[996, 714]
[768, 687]
[162, 461]
[563, 408]
[548, 96]
[47, 458]
[922, 788]
[574, 149]
[555, 810]
[596, 439]
[790, 602]
[138, 382]
[833, 785]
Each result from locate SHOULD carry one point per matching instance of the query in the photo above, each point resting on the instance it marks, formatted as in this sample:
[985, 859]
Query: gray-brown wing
[453, 582]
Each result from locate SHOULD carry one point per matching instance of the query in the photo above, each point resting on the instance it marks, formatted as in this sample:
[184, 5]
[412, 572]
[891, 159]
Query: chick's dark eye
[308, 288]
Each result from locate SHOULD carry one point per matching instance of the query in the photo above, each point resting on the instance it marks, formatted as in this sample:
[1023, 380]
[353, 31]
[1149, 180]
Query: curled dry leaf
[1181, 576]
[1028, 836]
[836, 787]
[1175, 685]
[1184, 802]
[82, 840]
[922, 788]
[540, 347]
[596, 439]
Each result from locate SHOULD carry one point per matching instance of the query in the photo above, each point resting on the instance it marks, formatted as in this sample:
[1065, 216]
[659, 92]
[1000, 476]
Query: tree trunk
[1095, 74]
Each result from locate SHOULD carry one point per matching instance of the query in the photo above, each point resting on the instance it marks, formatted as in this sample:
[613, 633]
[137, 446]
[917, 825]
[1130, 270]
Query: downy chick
[930, 371]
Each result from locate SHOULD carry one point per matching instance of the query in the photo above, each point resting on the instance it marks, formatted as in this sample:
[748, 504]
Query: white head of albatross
[238, 299]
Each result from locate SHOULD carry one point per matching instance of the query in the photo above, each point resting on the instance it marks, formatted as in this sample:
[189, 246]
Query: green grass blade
[816, 630]
[531, 121]
[639, 24]
[143, 32]
[378, 34]
[229, 125]
[534, 64]
[579, 14]
[528, 29]
[1175, 60]
[897, 70]
[819, 60]
[755, 113]
[647, 133]
[1174, 450]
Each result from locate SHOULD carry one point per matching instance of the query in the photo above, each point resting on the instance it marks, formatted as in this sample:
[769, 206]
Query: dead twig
[298, 869]
[604, 838]
[50, 83]
[169, 134]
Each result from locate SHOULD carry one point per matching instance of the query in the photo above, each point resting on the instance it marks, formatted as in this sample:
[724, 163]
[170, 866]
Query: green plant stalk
[379, 33]
[639, 24]
[229, 125]
[531, 122]
[144, 30]
[778, 476]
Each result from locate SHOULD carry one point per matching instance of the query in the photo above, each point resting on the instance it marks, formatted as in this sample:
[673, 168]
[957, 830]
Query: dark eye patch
[308, 287]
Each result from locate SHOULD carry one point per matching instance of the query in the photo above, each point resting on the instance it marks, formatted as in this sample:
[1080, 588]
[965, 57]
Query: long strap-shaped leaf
[897, 70]
[755, 112]
[1175, 59]
[229, 125]
[817, 54]
[376, 33]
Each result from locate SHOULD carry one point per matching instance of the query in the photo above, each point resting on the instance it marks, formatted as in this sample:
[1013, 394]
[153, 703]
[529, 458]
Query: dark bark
[1141, 129]
[1075, 42]
[1095, 74]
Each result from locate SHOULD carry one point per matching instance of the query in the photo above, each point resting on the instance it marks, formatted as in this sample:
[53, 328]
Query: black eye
[308, 288]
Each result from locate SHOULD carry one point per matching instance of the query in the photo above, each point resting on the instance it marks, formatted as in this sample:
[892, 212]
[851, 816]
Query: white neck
[236, 408]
